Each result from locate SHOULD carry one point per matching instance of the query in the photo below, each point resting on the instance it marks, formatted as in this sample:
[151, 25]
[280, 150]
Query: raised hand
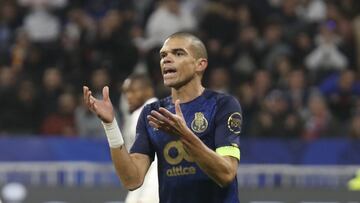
[102, 108]
[164, 120]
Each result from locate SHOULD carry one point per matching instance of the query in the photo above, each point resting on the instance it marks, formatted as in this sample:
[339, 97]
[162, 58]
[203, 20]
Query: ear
[201, 64]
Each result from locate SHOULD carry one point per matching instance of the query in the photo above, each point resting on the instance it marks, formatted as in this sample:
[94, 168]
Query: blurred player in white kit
[138, 91]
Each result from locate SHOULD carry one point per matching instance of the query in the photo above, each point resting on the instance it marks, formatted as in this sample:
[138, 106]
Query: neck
[187, 92]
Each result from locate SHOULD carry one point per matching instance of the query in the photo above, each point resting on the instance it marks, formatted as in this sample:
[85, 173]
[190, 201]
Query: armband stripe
[229, 151]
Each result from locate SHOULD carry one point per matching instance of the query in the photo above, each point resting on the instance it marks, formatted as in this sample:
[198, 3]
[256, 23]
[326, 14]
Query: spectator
[297, 90]
[273, 44]
[9, 20]
[281, 70]
[52, 87]
[8, 107]
[42, 26]
[20, 51]
[245, 93]
[357, 39]
[99, 78]
[247, 59]
[354, 128]
[77, 39]
[219, 80]
[87, 124]
[169, 13]
[319, 122]
[341, 91]
[113, 40]
[277, 119]
[312, 10]
[61, 122]
[27, 105]
[302, 46]
[219, 26]
[326, 57]
[261, 85]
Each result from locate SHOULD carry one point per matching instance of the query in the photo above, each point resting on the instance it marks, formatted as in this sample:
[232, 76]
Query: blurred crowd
[294, 65]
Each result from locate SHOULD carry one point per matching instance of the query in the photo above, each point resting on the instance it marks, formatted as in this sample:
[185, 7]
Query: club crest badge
[234, 122]
[199, 124]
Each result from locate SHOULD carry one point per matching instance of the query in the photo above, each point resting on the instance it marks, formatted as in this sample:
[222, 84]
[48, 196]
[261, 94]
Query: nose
[167, 59]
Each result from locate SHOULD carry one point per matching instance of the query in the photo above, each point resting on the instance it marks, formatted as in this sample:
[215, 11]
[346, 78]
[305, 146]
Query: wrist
[113, 134]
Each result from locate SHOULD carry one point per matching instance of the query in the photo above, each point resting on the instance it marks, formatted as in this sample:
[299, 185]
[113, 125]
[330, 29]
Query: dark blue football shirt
[216, 119]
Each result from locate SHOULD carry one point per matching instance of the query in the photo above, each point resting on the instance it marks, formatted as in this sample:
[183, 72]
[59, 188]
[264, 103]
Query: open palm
[101, 107]
[166, 121]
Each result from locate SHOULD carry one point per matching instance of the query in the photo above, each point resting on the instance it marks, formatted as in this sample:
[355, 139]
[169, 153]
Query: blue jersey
[216, 119]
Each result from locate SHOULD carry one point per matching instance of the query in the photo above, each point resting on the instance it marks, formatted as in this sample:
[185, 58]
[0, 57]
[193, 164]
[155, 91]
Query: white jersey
[148, 192]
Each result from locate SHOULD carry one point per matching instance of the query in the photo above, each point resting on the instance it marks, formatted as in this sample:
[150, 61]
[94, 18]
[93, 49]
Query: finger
[154, 120]
[92, 99]
[153, 123]
[105, 92]
[87, 99]
[178, 108]
[92, 102]
[166, 113]
[85, 94]
[160, 124]
[95, 107]
[160, 117]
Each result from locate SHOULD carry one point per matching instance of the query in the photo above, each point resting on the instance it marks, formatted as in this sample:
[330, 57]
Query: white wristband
[113, 134]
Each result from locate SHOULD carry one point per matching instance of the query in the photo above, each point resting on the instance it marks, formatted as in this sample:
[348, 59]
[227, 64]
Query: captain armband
[113, 134]
[229, 151]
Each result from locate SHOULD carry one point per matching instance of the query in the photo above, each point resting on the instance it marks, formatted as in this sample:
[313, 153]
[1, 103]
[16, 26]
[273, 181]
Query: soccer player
[194, 132]
[138, 91]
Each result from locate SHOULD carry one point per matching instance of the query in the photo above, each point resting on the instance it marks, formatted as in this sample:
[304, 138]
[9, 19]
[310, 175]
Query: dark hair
[143, 78]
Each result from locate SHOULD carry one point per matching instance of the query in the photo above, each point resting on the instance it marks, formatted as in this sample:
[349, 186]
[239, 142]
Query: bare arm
[222, 169]
[131, 168]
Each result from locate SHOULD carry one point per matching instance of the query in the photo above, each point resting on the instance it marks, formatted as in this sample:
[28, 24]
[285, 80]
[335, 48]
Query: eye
[179, 53]
[162, 55]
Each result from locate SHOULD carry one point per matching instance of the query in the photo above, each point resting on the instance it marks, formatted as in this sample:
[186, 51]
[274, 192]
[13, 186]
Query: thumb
[178, 108]
[106, 93]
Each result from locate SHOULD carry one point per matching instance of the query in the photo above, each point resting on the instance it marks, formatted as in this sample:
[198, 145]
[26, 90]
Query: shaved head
[197, 46]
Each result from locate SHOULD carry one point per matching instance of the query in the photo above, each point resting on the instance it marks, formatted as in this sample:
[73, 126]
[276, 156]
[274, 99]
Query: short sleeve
[228, 121]
[142, 142]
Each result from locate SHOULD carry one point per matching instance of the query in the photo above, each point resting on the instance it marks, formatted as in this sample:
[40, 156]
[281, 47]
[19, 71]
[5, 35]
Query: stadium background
[293, 65]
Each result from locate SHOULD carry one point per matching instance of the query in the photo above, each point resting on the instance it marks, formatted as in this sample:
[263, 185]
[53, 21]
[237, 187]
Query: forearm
[126, 169]
[130, 168]
[221, 169]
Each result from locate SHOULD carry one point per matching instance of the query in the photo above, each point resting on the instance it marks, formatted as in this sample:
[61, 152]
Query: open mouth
[169, 71]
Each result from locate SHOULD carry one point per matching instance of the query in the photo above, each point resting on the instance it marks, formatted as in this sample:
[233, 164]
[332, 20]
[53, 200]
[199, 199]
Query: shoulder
[156, 104]
[221, 98]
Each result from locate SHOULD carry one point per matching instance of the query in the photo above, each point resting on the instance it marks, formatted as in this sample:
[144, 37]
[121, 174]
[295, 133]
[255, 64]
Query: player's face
[178, 66]
[135, 94]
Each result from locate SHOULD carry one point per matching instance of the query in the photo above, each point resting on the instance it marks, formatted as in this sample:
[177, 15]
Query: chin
[168, 84]
[175, 84]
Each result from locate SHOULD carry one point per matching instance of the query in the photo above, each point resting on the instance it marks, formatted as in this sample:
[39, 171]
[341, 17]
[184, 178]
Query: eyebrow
[175, 50]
